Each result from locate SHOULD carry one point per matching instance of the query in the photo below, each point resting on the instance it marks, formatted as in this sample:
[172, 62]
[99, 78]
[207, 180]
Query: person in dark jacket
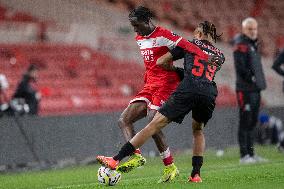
[278, 65]
[27, 92]
[250, 82]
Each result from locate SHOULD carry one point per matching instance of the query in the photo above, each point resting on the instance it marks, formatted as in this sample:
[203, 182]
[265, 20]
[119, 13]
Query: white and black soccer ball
[108, 177]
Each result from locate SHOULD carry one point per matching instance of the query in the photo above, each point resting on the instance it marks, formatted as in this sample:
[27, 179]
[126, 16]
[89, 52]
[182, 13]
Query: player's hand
[180, 72]
[215, 60]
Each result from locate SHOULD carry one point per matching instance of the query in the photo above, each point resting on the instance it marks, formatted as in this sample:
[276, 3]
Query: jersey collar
[146, 36]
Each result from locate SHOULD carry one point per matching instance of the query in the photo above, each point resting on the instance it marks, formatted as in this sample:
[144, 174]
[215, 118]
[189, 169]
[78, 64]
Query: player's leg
[159, 138]
[134, 112]
[130, 115]
[197, 150]
[170, 171]
[159, 121]
[141, 137]
[159, 97]
[174, 109]
[137, 141]
[201, 113]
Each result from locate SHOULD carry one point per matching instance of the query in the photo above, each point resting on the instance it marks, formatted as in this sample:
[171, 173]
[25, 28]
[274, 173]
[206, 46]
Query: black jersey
[199, 74]
[248, 66]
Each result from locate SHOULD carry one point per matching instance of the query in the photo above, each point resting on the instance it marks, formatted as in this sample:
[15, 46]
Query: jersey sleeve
[169, 39]
[177, 53]
[172, 40]
[191, 48]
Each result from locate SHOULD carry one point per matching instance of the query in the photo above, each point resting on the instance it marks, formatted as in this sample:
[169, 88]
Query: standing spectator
[249, 83]
[278, 65]
[26, 91]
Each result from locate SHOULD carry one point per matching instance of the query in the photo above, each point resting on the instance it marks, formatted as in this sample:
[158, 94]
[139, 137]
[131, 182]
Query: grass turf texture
[217, 172]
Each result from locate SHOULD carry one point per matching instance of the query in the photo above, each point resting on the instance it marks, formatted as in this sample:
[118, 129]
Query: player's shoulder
[139, 37]
[207, 46]
[161, 31]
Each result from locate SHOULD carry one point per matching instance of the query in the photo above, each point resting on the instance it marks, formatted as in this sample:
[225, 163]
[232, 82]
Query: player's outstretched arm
[191, 48]
[165, 62]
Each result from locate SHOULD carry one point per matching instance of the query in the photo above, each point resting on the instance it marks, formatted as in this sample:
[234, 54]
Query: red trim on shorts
[140, 99]
[154, 107]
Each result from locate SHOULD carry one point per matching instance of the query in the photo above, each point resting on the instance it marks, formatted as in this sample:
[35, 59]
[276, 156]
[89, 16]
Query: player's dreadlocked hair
[209, 29]
[142, 14]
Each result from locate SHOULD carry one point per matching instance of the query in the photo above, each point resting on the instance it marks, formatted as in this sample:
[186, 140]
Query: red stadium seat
[86, 93]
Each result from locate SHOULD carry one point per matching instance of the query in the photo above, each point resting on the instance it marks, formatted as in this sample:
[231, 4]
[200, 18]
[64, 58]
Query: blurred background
[89, 67]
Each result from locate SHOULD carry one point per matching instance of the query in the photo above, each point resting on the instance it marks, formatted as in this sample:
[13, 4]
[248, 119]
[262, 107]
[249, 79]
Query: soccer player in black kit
[196, 92]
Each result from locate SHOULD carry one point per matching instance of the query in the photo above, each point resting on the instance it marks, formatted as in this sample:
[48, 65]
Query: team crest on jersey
[155, 42]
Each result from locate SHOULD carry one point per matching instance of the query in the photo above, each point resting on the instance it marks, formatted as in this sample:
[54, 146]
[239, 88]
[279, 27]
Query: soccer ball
[108, 177]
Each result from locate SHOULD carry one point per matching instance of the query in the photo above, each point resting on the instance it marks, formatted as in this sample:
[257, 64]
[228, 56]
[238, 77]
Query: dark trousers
[249, 103]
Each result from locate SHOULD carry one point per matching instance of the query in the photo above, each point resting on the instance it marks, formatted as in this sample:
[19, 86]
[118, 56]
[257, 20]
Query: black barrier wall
[79, 137]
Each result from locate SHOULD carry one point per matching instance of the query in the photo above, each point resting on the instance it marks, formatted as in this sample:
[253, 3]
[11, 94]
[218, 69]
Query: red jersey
[152, 47]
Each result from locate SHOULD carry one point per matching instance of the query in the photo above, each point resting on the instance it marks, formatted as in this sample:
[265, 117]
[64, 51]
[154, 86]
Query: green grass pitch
[217, 172]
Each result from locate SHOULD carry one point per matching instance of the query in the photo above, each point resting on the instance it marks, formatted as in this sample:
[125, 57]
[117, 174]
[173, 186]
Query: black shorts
[181, 103]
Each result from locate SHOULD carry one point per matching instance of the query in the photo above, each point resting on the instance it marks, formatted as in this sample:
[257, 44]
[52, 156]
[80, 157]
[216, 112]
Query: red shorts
[155, 96]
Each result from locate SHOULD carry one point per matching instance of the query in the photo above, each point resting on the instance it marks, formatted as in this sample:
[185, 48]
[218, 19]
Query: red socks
[137, 151]
[167, 157]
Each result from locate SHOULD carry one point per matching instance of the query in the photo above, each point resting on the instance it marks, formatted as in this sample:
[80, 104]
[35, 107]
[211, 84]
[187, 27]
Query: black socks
[126, 150]
[197, 162]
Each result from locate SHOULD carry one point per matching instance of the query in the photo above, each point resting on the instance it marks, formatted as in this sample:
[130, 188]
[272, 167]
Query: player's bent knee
[197, 126]
[160, 119]
[158, 123]
[122, 122]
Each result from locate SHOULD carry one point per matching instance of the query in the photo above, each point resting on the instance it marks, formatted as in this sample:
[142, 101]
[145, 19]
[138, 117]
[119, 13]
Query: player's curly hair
[142, 14]
[209, 29]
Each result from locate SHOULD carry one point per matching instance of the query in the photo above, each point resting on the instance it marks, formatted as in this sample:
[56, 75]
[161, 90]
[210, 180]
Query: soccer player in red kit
[197, 92]
[154, 41]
